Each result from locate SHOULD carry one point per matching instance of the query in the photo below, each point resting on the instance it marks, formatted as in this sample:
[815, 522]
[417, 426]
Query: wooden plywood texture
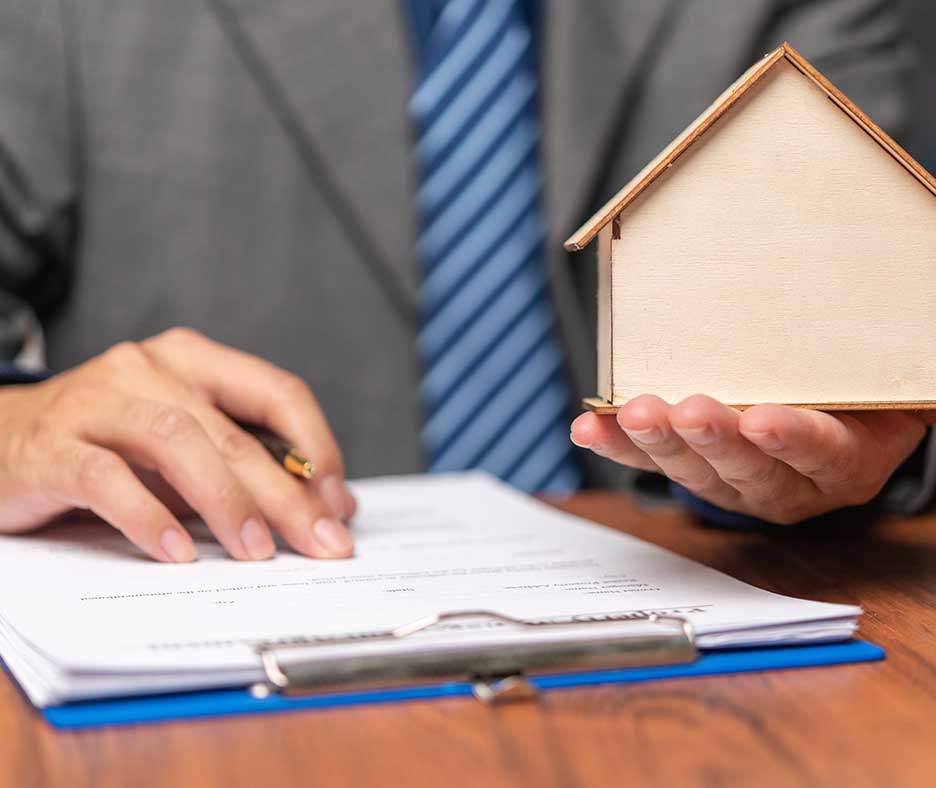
[604, 407]
[604, 313]
[784, 257]
[784, 54]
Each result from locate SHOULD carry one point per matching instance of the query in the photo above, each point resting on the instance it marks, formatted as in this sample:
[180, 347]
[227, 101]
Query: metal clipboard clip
[497, 671]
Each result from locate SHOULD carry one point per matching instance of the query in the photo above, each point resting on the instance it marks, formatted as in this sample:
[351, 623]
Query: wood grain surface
[857, 725]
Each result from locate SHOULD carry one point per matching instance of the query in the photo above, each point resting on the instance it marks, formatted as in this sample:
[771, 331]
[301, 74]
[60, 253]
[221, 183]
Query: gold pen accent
[291, 458]
[298, 464]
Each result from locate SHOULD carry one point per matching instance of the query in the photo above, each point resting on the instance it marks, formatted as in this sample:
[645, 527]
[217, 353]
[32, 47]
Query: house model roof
[584, 235]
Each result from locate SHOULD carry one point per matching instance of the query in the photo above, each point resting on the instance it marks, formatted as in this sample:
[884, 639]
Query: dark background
[921, 29]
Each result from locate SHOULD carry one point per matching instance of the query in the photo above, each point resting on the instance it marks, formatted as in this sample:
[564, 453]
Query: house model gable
[782, 249]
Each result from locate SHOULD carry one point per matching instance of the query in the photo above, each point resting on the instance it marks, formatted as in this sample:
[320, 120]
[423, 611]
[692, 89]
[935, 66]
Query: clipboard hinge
[495, 669]
[505, 689]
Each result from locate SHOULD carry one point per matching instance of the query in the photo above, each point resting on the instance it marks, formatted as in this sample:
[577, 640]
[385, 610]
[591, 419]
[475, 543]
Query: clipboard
[489, 674]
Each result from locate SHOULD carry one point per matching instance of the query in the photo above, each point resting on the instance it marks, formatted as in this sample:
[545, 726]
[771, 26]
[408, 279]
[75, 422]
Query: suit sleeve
[12, 374]
[38, 165]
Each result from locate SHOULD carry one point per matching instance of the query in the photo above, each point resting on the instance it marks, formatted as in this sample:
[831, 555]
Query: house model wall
[782, 249]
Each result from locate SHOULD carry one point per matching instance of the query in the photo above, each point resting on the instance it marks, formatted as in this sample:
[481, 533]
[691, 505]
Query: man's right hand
[85, 438]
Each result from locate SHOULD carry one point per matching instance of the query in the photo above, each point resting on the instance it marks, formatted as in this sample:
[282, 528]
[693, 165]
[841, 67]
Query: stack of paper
[83, 614]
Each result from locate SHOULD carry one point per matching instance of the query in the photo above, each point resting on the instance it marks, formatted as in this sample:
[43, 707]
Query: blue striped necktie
[495, 389]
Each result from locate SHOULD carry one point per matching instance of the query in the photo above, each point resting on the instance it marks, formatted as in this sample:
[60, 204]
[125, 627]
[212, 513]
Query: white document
[84, 614]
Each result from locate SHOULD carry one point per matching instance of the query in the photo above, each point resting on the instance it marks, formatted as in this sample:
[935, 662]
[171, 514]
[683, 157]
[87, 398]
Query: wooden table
[857, 725]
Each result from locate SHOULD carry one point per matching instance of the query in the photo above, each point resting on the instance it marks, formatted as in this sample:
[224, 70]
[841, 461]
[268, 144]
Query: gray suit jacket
[242, 167]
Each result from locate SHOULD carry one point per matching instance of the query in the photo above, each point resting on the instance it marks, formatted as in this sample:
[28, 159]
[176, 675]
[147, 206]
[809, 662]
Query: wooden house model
[781, 249]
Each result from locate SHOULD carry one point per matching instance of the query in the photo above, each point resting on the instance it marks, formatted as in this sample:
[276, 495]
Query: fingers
[775, 462]
[189, 371]
[766, 484]
[139, 417]
[171, 440]
[289, 504]
[854, 452]
[258, 392]
[98, 479]
[603, 436]
[646, 420]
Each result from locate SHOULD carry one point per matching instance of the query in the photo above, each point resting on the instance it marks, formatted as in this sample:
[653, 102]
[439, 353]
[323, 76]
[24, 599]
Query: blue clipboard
[226, 702]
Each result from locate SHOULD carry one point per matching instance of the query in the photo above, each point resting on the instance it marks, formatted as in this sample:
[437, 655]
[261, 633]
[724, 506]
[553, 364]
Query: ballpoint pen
[293, 460]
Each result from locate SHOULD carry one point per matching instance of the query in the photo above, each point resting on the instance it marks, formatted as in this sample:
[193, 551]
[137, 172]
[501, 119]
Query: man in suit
[263, 173]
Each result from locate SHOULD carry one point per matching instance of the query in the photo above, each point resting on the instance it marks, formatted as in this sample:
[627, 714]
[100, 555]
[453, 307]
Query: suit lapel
[593, 61]
[595, 53]
[342, 68]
